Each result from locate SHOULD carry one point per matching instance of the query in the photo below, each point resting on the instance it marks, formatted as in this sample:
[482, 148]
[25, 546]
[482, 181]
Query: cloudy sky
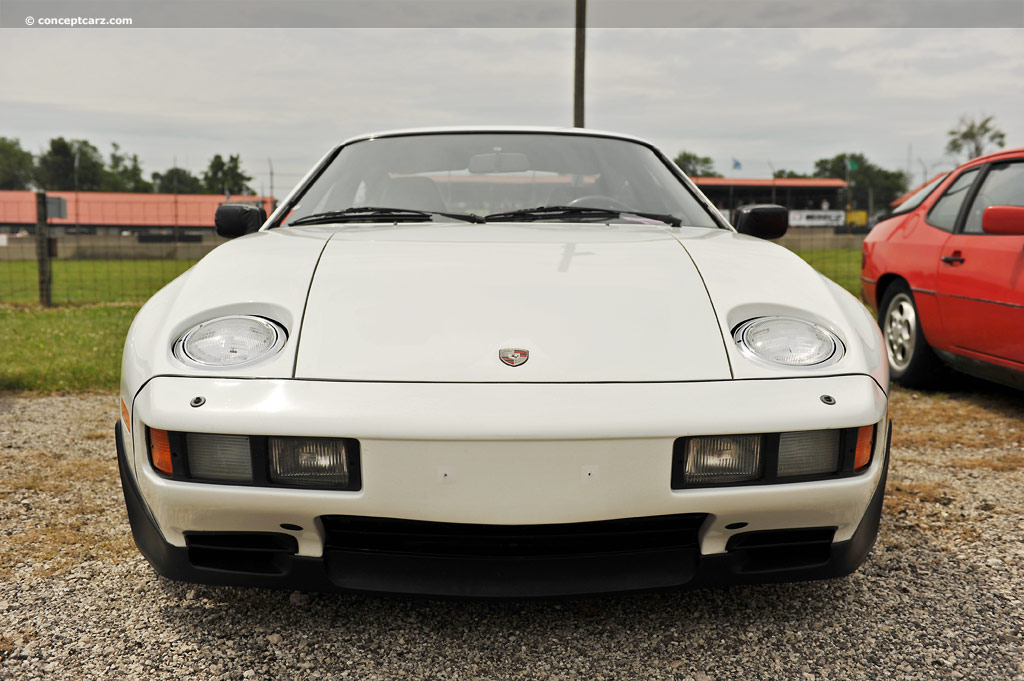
[780, 96]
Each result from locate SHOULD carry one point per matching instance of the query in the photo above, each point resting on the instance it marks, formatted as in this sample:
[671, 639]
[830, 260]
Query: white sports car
[502, 363]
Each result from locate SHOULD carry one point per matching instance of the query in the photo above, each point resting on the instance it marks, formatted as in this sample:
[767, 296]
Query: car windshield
[481, 174]
[920, 195]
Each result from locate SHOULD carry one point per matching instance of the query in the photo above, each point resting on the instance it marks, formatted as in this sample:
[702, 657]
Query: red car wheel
[911, 360]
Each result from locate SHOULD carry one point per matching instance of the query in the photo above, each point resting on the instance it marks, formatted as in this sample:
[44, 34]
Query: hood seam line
[711, 301]
[305, 305]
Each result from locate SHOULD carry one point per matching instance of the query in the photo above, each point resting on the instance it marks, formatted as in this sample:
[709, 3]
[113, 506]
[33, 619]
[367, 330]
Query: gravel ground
[940, 596]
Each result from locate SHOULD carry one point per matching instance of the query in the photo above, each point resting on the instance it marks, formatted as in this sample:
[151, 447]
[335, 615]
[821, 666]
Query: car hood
[590, 303]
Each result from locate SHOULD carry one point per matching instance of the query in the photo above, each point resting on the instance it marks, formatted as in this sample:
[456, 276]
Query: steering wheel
[599, 201]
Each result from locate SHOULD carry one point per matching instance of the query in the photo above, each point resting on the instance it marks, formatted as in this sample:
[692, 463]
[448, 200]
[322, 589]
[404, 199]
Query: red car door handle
[952, 259]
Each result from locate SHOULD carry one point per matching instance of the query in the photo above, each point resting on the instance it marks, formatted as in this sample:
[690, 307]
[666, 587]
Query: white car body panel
[786, 286]
[451, 452]
[233, 279]
[425, 303]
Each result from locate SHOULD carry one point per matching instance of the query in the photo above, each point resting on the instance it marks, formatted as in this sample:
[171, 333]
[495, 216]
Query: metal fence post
[43, 252]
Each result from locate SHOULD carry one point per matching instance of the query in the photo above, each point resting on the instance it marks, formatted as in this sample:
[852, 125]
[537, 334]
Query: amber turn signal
[125, 416]
[160, 451]
[865, 443]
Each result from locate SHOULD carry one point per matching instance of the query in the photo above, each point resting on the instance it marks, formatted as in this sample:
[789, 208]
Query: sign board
[857, 218]
[817, 218]
[56, 207]
[3, 240]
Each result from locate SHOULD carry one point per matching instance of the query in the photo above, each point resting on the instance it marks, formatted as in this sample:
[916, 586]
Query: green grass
[841, 265]
[78, 282]
[70, 349]
[78, 347]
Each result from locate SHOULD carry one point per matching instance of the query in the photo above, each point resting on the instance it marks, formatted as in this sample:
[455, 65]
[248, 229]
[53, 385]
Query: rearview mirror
[238, 219]
[498, 163]
[763, 220]
[1003, 220]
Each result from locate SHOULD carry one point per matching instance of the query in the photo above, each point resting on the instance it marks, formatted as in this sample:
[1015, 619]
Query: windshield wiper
[556, 212]
[376, 214]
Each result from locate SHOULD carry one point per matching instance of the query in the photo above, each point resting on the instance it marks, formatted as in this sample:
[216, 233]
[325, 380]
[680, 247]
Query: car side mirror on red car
[1003, 220]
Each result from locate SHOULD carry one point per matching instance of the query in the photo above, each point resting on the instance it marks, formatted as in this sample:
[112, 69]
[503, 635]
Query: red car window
[1003, 186]
[944, 212]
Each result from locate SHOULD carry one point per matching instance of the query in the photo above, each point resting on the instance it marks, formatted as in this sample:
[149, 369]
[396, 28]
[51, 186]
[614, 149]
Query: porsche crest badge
[513, 356]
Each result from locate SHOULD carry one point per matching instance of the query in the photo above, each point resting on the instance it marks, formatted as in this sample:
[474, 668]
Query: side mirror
[1003, 220]
[763, 220]
[238, 219]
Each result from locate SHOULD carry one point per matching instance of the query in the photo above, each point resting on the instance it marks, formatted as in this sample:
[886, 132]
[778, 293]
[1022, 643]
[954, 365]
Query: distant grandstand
[795, 193]
[116, 213]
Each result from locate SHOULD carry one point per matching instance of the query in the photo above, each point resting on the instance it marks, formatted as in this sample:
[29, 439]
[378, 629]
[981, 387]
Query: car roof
[583, 132]
[995, 156]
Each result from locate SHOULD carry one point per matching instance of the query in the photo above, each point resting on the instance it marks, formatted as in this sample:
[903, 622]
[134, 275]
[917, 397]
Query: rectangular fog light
[723, 459]
[223, 458]
[312, 462]
[812, 452]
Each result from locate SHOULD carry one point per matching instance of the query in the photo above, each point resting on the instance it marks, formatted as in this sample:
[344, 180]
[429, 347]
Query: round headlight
[787, 341]
[229, 341]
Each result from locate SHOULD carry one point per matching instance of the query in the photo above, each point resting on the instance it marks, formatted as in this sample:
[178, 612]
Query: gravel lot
[941, 596]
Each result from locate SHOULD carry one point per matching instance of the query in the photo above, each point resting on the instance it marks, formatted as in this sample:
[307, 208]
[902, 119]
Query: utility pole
[849, 192]
[581, 51]
[174, 183]
[273, 201]
[910, 181]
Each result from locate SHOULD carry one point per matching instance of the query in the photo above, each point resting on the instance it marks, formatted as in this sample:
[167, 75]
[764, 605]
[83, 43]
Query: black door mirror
[763, 220]
[238, 219]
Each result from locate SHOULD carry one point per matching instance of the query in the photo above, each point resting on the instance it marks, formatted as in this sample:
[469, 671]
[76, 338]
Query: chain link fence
[130, 261]
[94, 247]
[836, 255]
[94, 269]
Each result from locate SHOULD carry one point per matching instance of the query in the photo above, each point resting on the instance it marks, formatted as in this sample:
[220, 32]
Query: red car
[945, 274]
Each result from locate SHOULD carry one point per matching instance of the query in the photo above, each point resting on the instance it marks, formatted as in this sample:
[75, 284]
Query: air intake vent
[264, 553]
[773, 550]
[387, 535]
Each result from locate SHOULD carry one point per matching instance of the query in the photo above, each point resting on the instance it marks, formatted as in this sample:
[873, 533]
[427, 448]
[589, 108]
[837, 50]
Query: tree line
[865, 176]
[969, 137]
[69, 165]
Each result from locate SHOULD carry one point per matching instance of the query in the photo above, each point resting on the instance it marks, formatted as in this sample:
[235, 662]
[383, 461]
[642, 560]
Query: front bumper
[435, 466]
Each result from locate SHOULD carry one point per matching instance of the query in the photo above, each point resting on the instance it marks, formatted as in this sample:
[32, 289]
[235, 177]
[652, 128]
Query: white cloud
[791, 96]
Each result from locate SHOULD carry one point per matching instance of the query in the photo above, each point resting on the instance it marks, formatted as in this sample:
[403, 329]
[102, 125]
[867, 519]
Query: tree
[15, 165]
[789, 174]
[226, 176]
[972, 136]
[867, 180]
[55, 168]
[696, 166]
[177, 181]
[124, 174]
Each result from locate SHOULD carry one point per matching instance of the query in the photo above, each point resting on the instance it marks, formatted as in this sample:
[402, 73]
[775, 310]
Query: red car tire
[912, 362]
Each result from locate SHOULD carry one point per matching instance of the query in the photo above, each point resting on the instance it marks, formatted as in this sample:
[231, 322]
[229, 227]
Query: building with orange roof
[116, 212]
[795, 193]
